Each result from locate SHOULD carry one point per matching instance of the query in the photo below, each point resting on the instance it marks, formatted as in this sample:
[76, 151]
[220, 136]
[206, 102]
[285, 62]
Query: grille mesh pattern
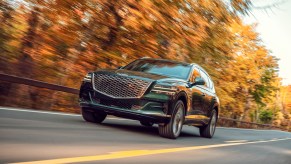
[120, 104]
[120, 86]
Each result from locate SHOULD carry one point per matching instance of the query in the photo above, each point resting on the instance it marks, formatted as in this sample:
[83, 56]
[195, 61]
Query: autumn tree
[60, 41]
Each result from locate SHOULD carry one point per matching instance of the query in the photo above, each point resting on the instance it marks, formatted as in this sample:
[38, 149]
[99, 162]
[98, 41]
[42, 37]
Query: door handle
[203, 94]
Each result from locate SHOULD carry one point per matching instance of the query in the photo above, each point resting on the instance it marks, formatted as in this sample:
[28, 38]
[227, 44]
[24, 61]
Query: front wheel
[208, 130]
[173, 129]
[95, 117]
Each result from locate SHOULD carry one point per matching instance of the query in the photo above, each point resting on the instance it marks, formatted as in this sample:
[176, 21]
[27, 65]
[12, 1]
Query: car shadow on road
[152, 131]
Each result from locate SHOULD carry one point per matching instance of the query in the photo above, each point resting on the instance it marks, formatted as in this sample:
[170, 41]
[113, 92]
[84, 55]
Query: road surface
[51, 137]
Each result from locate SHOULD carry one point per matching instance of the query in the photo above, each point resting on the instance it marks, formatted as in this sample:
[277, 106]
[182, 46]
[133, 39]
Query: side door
[197, 95]
[207, 93]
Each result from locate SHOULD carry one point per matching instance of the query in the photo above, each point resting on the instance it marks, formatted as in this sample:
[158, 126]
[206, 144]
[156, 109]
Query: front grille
[120, 104]
[120, 86]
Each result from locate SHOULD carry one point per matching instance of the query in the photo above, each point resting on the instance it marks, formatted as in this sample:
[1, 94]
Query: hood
[141, 75]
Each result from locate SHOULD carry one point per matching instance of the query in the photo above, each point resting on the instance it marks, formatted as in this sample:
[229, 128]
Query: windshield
[160, 67]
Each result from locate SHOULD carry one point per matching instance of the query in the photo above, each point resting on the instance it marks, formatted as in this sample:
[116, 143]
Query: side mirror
[199, 81]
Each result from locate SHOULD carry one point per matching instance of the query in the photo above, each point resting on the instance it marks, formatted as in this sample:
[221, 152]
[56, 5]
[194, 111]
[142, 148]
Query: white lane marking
[113, 118]
[229, 128]
[37, 111]
[233, 141]
[275, 138]
[55, 113]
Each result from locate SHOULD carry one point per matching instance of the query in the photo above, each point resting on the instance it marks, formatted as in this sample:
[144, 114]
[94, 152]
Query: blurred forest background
[59, 41]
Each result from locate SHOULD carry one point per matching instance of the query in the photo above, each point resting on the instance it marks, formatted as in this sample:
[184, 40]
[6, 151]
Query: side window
[210, 83]
[213, 89]
[205, 78]
[195, 74]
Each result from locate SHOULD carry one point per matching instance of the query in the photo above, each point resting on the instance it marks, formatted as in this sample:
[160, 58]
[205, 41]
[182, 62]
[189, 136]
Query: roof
[167, 60]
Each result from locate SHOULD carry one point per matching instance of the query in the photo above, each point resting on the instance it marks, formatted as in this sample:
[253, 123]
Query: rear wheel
[146, 123]
[208, 130]
[173, 129]
[95, 117]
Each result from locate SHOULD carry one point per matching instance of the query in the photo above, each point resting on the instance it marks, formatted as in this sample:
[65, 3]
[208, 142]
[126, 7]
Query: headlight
[88, 78]
[168, 90]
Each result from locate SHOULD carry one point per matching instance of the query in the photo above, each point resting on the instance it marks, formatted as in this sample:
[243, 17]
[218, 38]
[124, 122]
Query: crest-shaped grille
[120, 86]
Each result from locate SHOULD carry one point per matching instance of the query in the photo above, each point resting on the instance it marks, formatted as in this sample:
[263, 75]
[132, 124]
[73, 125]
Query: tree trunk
[26, 65]
[113, 30]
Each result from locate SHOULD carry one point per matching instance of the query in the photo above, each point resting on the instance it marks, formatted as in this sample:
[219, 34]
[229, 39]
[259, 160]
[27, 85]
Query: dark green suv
[153, 91]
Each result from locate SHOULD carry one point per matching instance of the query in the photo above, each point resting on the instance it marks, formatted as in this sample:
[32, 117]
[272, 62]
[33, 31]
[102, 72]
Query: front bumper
[155, 117]
[151, 107]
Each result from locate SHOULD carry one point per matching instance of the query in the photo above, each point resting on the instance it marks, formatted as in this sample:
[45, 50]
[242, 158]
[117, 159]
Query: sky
[274, 27]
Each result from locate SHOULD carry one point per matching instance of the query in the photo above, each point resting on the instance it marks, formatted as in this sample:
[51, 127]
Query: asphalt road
[33, 136]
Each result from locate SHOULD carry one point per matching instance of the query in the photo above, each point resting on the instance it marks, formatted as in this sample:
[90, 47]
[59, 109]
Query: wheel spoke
[213, 124]
[177, 124]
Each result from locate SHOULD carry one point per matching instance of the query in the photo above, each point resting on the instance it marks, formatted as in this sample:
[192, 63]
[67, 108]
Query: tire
[208, 130]
[145, 123]
[93, 117]
[173, 128]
